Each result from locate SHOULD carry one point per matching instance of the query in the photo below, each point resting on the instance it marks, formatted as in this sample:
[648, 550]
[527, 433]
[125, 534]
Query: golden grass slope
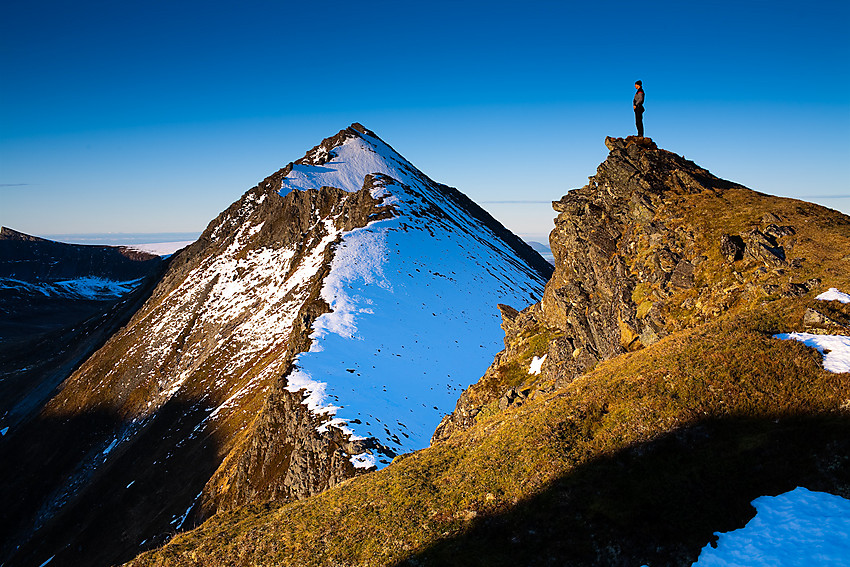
[638, 461]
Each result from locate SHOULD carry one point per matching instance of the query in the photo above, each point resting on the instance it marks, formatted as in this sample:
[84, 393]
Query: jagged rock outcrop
[600, 233]
[636, 258]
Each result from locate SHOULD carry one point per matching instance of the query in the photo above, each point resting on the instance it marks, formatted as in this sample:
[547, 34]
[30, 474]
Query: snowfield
[800, 528]
[413, 300]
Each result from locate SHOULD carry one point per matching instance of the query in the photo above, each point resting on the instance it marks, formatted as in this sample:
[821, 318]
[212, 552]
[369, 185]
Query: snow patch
[834, 348]
[182, 519]
[834, 295]
[798, 528]
[97, 289]
[316, 399]
[363, 461]
[536, 364]
[110, 447]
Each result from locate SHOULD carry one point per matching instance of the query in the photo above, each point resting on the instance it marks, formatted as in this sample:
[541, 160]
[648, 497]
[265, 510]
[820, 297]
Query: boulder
[731, 247]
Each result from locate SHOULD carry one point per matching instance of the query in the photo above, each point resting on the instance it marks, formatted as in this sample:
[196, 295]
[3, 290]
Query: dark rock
[7, 233]
[666, 260]
[814, 318]
[794, 290]
[777, 232]
[763, 248]
[731, 247]
[509, 320]
[770, 218]
[770, 289]
[683, 275]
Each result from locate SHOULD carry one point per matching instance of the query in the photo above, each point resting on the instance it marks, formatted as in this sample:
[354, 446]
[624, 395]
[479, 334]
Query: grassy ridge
[641, 459]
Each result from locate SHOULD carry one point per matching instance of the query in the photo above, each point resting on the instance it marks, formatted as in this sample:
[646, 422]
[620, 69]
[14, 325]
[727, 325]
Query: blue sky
[154, 116]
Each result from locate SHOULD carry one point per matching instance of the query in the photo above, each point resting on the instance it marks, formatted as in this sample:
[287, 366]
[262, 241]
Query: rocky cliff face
[637, 257]
[291, 347]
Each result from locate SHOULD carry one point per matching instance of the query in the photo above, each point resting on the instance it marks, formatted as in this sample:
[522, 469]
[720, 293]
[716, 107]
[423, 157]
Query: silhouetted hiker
[637, 104]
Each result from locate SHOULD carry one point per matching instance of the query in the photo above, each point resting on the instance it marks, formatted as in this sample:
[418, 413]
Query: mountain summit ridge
[320, 326]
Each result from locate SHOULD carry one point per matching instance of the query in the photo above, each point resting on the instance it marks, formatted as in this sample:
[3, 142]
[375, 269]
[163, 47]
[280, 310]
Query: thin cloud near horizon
[515, 202]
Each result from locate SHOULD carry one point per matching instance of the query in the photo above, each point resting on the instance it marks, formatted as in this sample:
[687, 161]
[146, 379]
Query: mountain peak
[640, 406]
[321, 325]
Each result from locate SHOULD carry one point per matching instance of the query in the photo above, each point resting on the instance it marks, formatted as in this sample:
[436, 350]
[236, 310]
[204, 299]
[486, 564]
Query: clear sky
[154, 116]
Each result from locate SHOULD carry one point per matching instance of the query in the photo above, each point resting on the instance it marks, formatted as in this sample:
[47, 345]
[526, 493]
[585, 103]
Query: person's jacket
[638, 102]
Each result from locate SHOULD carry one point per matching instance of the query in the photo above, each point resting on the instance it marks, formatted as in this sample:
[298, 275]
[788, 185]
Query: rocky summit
[635, 411]
[319, 328]
[653, 244]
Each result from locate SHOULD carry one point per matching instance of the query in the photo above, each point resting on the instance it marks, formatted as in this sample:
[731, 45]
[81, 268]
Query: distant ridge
[10, 234]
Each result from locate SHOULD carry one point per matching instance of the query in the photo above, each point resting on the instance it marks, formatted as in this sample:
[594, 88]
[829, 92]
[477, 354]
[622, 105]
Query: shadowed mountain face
[320, 326]
[635, 410]
[58, 304]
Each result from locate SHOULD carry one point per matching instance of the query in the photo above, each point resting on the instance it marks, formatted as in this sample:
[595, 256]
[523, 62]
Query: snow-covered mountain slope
[413, 303]
[322, 324]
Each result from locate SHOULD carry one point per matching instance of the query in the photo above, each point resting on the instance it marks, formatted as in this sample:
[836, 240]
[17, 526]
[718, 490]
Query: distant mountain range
[543, 250]
[59, 303]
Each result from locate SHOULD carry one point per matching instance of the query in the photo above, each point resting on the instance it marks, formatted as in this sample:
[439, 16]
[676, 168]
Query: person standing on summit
[637, 104]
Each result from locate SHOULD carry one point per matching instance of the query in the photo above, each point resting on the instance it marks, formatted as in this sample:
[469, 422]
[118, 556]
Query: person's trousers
[639, 120]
